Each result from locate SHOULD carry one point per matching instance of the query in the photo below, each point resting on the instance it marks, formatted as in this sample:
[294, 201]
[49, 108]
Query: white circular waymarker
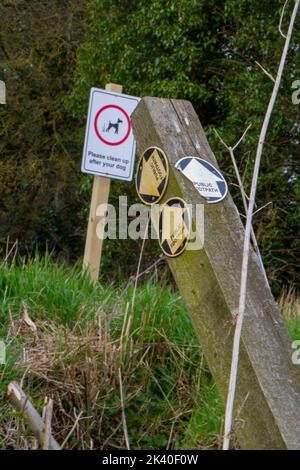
[112, 125]
[208, 181]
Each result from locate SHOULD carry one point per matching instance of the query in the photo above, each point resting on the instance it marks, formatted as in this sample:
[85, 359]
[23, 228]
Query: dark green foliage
[159, 48]
[206, 52]
[252, 35]
[199, 50]
[39, 154]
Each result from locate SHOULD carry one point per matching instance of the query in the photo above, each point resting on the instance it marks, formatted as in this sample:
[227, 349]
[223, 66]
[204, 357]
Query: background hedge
[51, 53]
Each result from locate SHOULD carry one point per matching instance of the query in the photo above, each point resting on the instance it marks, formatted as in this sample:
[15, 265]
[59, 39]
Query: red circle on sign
[128, 124]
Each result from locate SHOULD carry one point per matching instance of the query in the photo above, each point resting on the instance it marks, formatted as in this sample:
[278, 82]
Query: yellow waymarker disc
[152, 175]
[174, 226]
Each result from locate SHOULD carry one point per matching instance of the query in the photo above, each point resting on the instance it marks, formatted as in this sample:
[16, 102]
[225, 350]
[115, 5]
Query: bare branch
[71, 431]
[243, 193]
[270, 76]
[246, 250]
[24, 406]
[139, 262]
[263, 207]
[242, 137]
[123, 411]
[281, 19]
[48, 419]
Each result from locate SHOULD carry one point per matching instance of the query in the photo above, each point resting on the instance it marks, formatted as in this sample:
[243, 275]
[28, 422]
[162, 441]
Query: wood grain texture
[267, 409]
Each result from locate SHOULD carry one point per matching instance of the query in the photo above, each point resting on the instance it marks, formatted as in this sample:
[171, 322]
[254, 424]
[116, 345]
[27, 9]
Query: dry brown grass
[94, 379]
[86, 371]
[289, 303]
[78, 368]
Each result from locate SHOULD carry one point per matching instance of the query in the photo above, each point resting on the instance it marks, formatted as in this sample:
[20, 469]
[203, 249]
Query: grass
[86, 338]
[90, 344]
[289, 304]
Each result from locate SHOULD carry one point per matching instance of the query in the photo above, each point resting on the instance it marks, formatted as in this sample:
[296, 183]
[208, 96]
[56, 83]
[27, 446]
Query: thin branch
[72, 429]
[237, 173]
[263, 207]
[132, 281]
[243, 193]
[139, 262]
[246, 249]
[125, 430]
[24, 406]
[241, 138]
[48, 419]
[8, 253]
[281, 19]
[270, 76]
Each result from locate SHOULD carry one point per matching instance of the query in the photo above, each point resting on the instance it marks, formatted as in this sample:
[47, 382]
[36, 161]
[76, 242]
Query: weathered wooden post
[267, 411]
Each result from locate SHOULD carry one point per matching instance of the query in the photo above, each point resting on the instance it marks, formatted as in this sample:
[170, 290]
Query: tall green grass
[170, 398]
[174, 395]
[50, 290]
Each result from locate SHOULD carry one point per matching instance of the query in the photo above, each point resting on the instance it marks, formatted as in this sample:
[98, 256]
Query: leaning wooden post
[100, 195]
[267, 407]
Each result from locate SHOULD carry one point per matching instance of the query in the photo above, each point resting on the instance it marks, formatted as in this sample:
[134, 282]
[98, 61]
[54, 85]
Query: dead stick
[48, 419]
[123, 411]
[24, 406]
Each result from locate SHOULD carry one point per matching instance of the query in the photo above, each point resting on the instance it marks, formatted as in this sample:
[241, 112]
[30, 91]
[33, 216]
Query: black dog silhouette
[114, 125]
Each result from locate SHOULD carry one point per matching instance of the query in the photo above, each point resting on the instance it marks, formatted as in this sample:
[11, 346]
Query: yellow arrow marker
[174, 227]
[152, 175]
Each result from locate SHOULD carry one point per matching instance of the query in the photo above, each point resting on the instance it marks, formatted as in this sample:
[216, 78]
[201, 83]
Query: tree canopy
[39, 155]
[210, 53]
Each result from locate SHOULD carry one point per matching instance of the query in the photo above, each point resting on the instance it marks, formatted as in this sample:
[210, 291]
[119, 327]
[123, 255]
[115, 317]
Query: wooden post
[100, 195]
[267, 406]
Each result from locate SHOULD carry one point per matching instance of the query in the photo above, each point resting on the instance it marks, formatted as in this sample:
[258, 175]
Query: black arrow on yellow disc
[174, 226]
[152, 175]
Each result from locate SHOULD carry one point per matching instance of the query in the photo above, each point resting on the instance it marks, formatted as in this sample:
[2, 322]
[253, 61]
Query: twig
[8, 253]
[246, 249]
[131, 282]
[263, 207]
[111, 436]
[243, 193]
[281, 19]
[72, 429]
[24, 406]
[139, 263]
[123, 411]
[170, 436]
[231, 152]
[241, 138]
[48, 419]
[265, 71]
